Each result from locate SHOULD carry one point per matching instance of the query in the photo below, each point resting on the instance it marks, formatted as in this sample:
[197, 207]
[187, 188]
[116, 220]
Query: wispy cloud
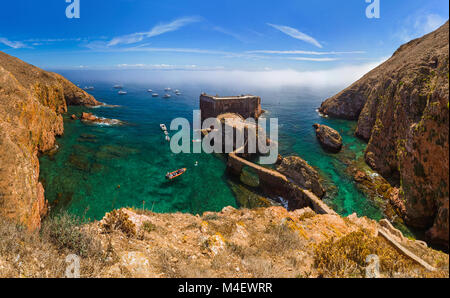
[313, 59]
[227, 54]
[418, 25]
[12, 44]
[229, 33]
[299, 52]
[294, 33]
[48, 40]
[155, 31]
[141, 66]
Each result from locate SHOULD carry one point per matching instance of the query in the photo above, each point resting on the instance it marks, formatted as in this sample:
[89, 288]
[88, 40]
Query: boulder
[360, 176]
[302, 174]
[329, 138]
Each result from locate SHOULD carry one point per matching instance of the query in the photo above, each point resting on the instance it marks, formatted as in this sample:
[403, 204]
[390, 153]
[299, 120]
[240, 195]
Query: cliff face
[31, 104]
[402, 111]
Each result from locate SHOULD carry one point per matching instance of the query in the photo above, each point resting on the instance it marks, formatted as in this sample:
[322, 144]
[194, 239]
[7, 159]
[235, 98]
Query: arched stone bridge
[278, 184]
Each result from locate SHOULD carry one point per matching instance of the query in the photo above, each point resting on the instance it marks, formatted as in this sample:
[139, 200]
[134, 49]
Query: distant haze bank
[332, 79]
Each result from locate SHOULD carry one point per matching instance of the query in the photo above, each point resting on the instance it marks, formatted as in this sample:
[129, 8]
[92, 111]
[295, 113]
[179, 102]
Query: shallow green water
[99, 168]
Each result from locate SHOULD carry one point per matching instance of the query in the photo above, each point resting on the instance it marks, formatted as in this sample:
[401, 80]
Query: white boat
[167, 138]
[149, 90]
[166, 133]
[122, 92]
[166, 96]
[167, 89]
[177, 93]
[118, 87]
[89, 88]
[155, 95]
[163, 127]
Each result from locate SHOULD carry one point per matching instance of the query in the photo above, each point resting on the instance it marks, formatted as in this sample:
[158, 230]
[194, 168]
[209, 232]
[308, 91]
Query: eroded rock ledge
[31, 104]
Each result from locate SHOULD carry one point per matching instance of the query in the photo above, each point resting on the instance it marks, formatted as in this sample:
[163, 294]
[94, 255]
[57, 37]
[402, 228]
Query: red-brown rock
[31, 104]
[402, 111]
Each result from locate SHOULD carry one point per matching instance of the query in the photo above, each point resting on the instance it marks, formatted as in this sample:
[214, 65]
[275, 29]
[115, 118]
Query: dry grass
[346, 257]
[24, 254]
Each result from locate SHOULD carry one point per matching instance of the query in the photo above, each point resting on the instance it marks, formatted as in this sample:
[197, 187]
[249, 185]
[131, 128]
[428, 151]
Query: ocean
[99, 168]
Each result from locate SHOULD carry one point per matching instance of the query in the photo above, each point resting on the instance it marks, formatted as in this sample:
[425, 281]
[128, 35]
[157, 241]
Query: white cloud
[165, 67]
[419, 25]
[12, 44]
[229, 33]
[299, 52]
[294, 33]
[319, 80]
[155, 31]
[313, 59]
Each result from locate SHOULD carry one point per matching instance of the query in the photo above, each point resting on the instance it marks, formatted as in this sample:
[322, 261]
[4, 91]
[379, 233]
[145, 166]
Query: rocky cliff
[402, 108]
[261, 242]
[31, 104]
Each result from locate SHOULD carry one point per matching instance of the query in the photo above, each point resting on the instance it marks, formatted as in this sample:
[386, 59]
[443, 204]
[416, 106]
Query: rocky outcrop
[328, 138]
[89, 117]
[31, 104]
[302, 174]
[402, 111]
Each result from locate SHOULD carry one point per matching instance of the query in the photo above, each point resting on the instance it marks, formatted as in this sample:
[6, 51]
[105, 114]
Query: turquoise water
[98, 168]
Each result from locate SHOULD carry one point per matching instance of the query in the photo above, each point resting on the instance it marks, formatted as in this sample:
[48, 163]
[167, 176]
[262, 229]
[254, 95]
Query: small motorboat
[177, 93]
[167, 138]
[122, 92]
[118, 87]
[155, 94]
[175, 174]
[89, 88]
[166, 96]
[163, 127]
[166, 132]
[167, 89]
[149, 90]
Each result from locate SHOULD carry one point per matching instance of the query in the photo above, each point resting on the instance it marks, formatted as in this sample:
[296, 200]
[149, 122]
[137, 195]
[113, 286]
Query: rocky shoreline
[32, 102]
[402, 111]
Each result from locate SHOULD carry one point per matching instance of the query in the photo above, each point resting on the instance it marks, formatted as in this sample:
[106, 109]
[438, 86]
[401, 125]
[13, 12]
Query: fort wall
[246, 105]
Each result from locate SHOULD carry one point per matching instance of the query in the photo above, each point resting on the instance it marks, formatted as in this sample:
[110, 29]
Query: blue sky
[212, 35]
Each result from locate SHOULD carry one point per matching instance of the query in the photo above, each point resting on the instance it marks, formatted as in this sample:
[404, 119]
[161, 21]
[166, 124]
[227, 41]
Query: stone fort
[245, 105]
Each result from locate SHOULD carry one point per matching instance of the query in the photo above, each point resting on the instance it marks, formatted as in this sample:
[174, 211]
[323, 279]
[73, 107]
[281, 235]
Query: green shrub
[120, 221]
[65, 232]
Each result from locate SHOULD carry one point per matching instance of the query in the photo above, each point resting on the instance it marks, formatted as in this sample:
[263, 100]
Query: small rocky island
[328, 138]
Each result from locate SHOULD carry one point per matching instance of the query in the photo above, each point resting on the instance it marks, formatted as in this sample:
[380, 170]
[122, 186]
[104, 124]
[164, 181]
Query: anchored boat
[175, 174]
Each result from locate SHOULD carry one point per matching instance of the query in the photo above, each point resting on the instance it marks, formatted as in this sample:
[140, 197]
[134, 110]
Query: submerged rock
[329, 138]
[302, 174]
